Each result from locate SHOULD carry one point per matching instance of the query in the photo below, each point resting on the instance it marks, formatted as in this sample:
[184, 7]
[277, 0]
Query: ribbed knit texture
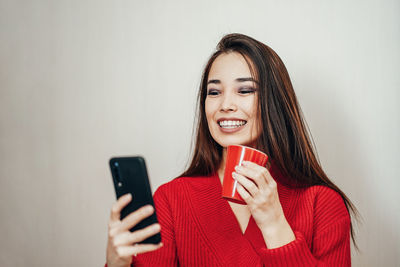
[198, 228]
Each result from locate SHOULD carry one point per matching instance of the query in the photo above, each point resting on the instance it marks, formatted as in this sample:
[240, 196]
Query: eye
[213, 92]
[247, 90]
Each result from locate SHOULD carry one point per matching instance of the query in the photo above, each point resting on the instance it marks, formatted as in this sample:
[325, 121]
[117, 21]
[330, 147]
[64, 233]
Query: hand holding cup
[236, 154]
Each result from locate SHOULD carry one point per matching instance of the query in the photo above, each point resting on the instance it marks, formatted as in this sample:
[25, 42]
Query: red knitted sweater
[198, 228]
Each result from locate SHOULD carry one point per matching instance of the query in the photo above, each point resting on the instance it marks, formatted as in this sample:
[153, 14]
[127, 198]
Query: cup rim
[249, 148]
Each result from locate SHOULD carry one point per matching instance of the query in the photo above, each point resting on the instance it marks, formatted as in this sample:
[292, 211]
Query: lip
[233, 130]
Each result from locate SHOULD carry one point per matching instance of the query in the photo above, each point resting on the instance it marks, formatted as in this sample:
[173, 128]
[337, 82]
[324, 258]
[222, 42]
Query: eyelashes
[212, 92]
[243, 91]
[247, 90]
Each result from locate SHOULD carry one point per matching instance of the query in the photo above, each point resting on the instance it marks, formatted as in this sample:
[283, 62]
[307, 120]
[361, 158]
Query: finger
[267, 175]
[135, 217]
[251, 165]
[121, 239]
[255, 174]
[128, 238]
[147, 232]
[125, 251]
[118, 206]
[244, 194]
[248, 184]
[129, 251]
[143, 248]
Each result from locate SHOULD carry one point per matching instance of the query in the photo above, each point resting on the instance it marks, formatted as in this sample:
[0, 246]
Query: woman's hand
[122, 244]
[259, 190]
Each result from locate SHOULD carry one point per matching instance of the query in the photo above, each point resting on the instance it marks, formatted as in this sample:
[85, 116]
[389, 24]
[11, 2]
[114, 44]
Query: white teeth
[231, 124]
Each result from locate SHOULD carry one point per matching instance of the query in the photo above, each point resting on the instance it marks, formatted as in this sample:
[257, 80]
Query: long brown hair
[285, 137]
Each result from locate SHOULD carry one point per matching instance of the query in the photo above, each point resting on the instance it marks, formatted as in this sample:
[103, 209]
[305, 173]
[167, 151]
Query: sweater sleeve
[331, 238]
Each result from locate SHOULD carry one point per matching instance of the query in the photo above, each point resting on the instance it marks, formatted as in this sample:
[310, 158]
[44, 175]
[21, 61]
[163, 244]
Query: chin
[226, 143]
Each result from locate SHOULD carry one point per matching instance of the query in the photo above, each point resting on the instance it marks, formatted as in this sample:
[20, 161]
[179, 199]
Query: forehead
[229, 65]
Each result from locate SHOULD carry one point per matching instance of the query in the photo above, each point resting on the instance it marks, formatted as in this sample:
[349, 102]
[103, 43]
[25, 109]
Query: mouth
[231, 124]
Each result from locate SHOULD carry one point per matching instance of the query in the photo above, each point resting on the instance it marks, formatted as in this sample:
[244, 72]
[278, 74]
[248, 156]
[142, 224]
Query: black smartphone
[130, 176]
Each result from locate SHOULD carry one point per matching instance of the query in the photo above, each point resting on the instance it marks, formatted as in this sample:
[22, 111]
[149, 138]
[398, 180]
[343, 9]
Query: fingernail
[149, 208]
[233, 175]
[238, 168]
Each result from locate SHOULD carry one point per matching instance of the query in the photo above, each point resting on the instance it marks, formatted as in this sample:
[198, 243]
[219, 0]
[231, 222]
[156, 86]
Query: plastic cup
[236, 154]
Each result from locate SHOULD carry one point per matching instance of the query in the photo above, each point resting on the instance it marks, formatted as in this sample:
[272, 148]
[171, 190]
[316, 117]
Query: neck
[221, 168]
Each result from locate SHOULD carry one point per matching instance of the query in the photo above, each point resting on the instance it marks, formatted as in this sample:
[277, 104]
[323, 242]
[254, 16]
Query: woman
[295, 216]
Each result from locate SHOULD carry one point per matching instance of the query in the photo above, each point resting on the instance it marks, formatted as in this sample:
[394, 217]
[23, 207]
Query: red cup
[236, 154]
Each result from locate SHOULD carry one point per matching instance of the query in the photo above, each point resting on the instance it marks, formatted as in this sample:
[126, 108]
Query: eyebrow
[238, 80]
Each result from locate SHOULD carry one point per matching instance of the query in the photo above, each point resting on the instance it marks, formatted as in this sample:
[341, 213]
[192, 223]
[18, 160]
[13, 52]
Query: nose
[228, 103]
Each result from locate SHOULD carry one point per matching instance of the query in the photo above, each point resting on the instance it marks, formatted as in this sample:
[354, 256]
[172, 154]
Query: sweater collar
[216, 220]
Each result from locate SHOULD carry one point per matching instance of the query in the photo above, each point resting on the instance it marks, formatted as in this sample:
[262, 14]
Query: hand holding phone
[133, 227]
[130, 176]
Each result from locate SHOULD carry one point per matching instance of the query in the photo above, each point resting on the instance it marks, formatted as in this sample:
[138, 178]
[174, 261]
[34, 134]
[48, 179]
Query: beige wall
[82, 81]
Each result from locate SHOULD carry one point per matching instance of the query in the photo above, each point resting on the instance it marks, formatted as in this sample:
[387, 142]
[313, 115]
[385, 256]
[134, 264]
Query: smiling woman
[231, 102]
[294, 215]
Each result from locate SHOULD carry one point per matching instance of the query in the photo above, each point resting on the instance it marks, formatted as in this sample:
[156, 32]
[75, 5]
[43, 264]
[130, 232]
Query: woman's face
[231, 102]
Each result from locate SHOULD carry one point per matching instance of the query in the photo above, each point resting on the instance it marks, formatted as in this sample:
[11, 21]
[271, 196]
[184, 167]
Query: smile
[230, 124]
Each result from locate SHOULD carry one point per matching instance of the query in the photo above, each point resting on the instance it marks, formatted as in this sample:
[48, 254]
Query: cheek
[210, 108]
[208, 113]
[251, 110]
[252, 113]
